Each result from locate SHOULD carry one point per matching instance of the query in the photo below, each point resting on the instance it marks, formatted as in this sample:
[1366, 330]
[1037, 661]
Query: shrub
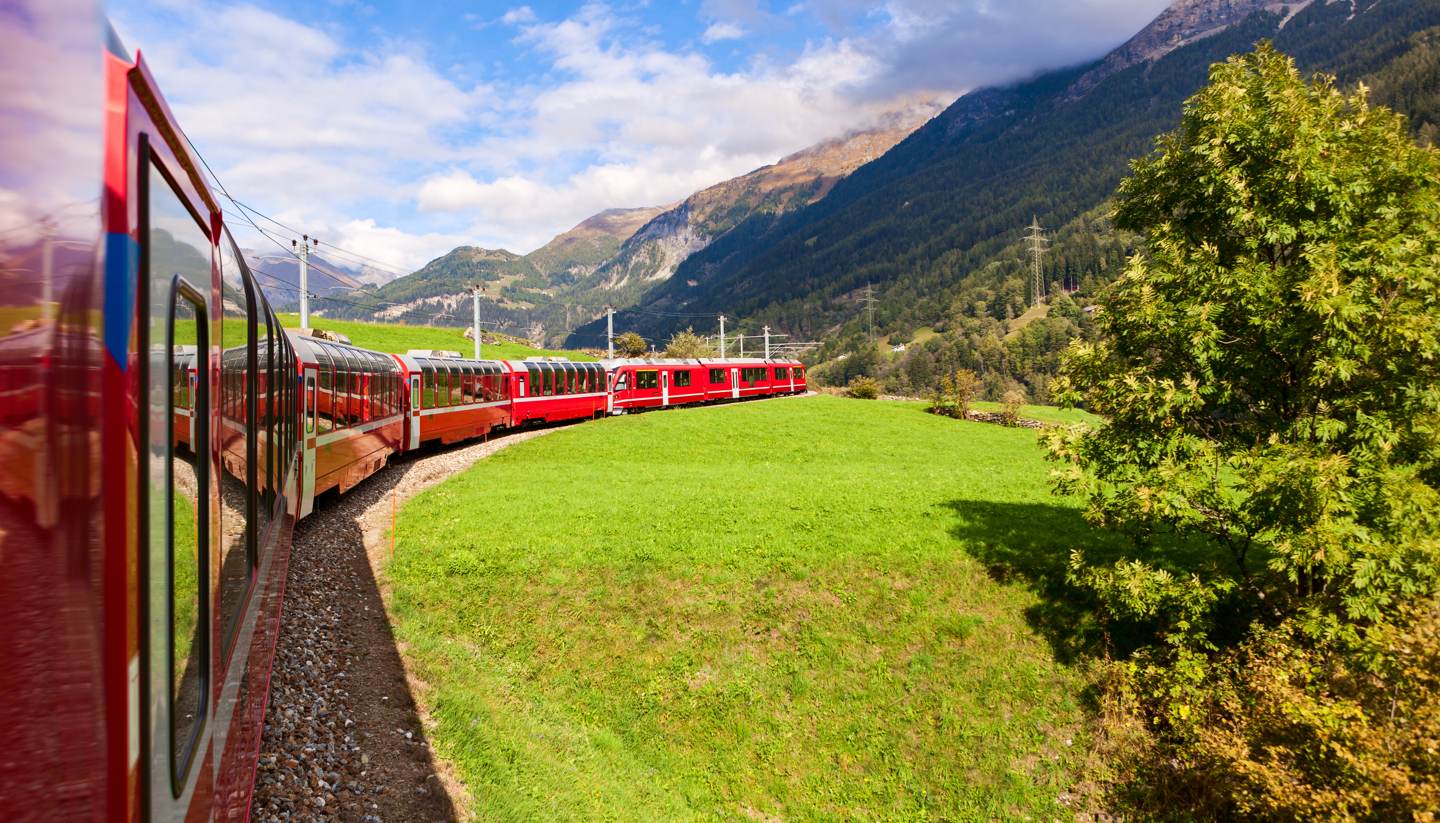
[1010, 406]
[630, 344]
[955, 394]
[965, 387]
[863, 388]
[687, 345]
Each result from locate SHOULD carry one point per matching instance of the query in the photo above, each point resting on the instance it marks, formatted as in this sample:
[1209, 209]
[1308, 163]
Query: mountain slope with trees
[936, 225]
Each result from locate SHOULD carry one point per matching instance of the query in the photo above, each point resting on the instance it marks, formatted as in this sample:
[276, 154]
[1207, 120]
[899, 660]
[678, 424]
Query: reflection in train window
[177, 252]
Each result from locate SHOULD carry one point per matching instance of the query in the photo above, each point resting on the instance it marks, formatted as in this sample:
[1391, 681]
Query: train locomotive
[161, 434]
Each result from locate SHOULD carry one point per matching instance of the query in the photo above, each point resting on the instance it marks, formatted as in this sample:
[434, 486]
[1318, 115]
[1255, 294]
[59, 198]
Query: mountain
[933, 230]
[519, 292]
[614, 256]
[660, 246]
[580, 251]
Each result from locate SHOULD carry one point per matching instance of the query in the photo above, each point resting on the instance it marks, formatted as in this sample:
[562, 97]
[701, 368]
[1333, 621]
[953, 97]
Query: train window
[782, 374]
[548, 378]
[187, 492]
[237, 442]
[339, 402]
[682, 378]
[648, 379]
[622, 382]
[717, 376]
[265, 413]
[177, 259]
[272, 401]
[455, 375]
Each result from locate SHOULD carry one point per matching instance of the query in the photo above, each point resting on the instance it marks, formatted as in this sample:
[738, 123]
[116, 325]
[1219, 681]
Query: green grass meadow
[805, 609]
[398, 338]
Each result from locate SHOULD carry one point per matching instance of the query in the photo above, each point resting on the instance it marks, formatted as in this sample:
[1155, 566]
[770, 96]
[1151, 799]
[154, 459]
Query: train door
[610, 393]
[664, 387]
[176, 712]
[307, 477]
[414, 412]
[735, 384]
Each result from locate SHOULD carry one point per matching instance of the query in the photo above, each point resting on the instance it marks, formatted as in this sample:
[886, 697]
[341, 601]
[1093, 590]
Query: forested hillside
[936, 226]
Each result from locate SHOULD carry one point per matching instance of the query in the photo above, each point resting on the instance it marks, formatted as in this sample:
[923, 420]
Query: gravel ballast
[343, 738]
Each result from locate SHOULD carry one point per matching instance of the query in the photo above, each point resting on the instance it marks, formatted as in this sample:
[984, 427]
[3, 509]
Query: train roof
[310, 349]
[701, 361]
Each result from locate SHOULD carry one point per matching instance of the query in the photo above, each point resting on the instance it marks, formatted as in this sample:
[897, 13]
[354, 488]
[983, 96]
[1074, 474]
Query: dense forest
[936, 226]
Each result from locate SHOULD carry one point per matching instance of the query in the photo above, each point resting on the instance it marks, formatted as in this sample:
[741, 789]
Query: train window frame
[647, 379]
[183, 759]
[682, 379]
[179, 766]
[718, 377]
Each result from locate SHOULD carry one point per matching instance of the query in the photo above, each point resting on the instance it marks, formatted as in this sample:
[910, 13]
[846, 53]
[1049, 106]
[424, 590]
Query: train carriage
[353, 415]
[146, 534]
[648, 384]
[555, 391]
[452, 399]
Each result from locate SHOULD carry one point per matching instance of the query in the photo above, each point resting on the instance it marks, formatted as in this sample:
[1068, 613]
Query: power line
[374, 263]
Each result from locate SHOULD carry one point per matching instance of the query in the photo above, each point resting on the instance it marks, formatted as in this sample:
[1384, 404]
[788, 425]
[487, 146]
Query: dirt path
[344, 739]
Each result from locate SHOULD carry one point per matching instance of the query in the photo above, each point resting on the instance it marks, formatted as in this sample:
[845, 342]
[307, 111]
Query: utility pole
[304, 256]
[767, 342]
[722, 337]
[610, 332]
[1037, 240]
[475, 295]
[870, 309]
[742, 344]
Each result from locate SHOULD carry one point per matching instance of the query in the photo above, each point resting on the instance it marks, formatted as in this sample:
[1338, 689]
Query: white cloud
[722, 31]
[520, 14]
[377, 147]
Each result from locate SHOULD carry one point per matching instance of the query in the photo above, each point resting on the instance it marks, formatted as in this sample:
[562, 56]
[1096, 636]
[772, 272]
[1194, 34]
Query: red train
[160, 435]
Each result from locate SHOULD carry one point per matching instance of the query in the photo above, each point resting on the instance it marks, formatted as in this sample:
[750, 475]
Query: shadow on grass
[1031, 543]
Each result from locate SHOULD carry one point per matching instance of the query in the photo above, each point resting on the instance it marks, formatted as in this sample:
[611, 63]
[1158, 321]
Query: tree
[630, 344]
[1269, 368]
[687, 345]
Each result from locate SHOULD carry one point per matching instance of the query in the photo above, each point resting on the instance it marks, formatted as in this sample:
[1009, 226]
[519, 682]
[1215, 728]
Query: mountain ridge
[934, 226]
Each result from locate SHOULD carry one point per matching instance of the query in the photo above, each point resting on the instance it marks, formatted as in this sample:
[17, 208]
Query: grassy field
[399, 338]
[806, 609]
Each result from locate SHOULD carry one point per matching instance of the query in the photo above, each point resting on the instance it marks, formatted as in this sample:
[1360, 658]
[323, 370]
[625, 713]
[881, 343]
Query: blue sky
[402, 129]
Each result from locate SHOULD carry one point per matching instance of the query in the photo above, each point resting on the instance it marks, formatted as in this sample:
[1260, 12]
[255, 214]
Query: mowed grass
[398, 338]
[785, 610]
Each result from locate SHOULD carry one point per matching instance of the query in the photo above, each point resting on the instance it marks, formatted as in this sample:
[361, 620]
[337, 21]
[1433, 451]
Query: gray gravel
[343, 738]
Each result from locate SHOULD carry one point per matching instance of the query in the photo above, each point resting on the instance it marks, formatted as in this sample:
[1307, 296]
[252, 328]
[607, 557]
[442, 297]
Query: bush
[955, 394]
[1010, 406]
[1282, 729]
[687, 345]
[863, 388]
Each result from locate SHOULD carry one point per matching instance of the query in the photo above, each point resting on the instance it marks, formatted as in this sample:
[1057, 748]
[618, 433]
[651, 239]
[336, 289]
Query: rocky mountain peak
[1184, 22]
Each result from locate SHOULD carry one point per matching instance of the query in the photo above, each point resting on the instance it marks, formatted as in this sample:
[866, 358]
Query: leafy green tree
[686, 345]
[630, 344]
[1269, 368]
